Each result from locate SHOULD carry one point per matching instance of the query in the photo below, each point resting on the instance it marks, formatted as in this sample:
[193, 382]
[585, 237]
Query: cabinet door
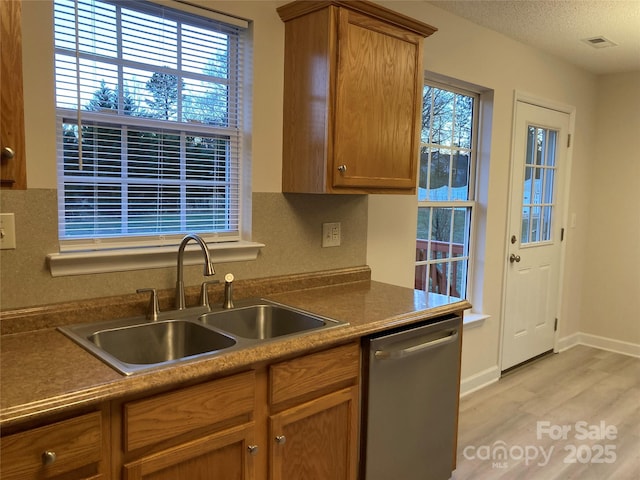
[12, 165]
[377, 111]
[316, 440]
[225, 455]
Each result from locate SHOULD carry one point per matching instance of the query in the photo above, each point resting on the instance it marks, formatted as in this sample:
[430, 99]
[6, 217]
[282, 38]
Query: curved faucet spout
[208, 266]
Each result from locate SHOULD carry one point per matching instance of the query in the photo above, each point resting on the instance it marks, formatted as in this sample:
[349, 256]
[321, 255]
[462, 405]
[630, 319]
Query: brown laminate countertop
[43, 372]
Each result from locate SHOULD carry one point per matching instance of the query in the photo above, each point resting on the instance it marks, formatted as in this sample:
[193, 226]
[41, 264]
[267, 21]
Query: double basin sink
[136, 344]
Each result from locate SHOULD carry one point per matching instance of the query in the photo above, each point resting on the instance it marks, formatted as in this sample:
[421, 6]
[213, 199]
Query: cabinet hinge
[555, 325]
[568, 140]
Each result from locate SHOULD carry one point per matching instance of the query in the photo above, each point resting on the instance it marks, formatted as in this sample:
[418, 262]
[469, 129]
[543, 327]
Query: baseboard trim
[479, 380]
[603, 343]
[491, 375]
[610, 344]
[570, 341]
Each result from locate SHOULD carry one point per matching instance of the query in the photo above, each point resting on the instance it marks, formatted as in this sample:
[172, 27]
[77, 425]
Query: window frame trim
[432, 80]
[180, 128]
[141, 258]
[134, 257]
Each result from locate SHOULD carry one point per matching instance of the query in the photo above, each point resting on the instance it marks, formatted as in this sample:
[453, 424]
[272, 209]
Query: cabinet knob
[342, 168]
[281, 439]
[49, 457]
[8, 153]
[253, 450]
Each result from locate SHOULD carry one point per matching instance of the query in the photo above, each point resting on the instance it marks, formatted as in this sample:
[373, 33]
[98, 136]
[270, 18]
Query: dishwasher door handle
[421, 347]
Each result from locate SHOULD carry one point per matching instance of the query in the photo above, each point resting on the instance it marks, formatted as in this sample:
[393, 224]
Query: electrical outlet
[331, 235]
[7, 231]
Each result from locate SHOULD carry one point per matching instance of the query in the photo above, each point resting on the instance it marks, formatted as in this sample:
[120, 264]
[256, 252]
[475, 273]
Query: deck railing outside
[432, 277]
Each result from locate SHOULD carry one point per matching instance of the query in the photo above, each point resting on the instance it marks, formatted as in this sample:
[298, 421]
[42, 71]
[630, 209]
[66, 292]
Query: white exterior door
[533, 264]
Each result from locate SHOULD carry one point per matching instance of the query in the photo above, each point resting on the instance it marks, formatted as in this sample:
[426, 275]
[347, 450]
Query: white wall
[612, 286]
[473, 54]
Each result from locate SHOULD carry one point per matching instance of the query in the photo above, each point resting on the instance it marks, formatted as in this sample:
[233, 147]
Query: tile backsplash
[290, 225]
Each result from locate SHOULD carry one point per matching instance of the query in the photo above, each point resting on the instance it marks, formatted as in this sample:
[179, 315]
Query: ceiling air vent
[599, 42]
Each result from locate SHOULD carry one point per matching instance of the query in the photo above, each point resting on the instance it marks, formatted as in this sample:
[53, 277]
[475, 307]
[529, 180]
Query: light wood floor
[582, 384]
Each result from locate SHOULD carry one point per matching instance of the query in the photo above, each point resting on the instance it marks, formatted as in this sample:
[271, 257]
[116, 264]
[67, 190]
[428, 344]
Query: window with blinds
[149, 107]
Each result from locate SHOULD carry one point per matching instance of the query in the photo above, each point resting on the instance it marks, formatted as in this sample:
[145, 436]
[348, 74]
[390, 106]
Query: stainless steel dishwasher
[410, 401]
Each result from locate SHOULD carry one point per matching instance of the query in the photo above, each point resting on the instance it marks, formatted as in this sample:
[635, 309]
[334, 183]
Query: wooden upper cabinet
[13, 172]
[352, 98]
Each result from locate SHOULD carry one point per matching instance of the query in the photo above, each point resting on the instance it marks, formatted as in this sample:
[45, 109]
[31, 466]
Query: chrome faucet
[208, 267]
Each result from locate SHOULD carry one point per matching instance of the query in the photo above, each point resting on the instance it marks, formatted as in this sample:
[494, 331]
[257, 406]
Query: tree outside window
[445, 191]
[148, 102]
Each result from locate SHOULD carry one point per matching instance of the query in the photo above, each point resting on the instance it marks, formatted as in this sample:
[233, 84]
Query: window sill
[473, 319]
[127, 259]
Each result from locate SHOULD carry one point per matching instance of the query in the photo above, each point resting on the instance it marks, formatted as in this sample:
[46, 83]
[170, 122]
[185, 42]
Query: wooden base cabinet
[224, 455]
[75, 448]
[197, 432]
[296, 419]
[313, 426]
[315, 440]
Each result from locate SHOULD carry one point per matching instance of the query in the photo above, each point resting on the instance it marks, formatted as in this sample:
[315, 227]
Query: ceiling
[558, 27]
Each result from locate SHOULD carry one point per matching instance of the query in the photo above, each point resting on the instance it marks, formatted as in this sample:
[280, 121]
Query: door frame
[520, 96]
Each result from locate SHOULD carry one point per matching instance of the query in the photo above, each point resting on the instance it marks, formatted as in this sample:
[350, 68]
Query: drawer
[153, 420]
[75, 443]
[317, 372]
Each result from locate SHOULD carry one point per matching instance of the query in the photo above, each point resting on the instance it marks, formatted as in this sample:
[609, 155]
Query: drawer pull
[7, 153]
[253, 450]
[49, 457]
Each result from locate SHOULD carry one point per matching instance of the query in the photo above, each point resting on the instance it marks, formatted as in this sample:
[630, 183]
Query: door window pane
[552, 136]
[538, 185]
[526, 219]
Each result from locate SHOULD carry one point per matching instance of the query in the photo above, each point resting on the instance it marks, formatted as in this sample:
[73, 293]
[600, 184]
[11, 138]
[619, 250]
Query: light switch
[7, 231]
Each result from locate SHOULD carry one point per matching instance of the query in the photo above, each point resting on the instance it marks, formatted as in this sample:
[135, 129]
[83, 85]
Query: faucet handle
[154, 307]
[204, 292]
[228, 291]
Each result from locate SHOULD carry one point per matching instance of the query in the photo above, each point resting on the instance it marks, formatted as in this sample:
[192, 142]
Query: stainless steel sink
[159, 342]
[264, 321]
[133, 345]
[138, 344]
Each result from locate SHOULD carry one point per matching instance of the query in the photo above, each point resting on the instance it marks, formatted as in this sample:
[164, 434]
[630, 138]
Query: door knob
[514, 258]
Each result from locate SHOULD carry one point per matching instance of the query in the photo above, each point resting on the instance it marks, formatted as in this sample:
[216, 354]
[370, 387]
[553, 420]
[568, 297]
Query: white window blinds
[149, 105]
